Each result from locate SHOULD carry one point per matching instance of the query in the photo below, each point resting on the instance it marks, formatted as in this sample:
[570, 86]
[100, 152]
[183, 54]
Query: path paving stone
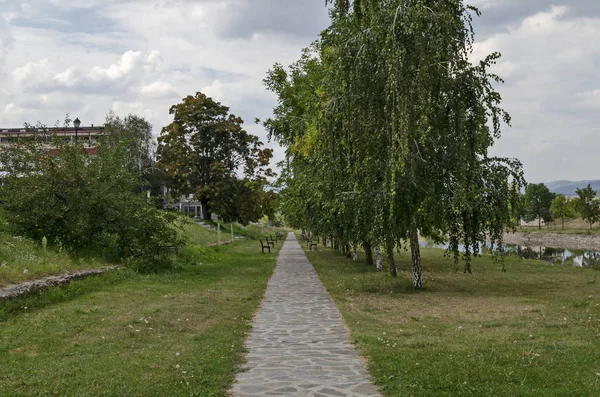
[298, 345]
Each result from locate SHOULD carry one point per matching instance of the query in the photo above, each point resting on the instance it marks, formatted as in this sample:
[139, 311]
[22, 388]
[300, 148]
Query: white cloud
[128, 65]
[159, 89]
[589, 99]
[68, 78]
[544, 22]
[142, 57]
[548, 65]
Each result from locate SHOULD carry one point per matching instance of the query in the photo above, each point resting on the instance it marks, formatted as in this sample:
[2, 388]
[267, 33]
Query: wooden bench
[167, 249]
[270, 241]
[263, 246]
[275, 240]
[311, 244]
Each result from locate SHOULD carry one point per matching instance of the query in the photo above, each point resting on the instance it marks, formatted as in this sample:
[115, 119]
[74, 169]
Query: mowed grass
[532, 331]
[179, 333]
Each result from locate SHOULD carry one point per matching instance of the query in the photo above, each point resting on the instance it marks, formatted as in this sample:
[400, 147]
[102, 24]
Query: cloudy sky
[87, 57]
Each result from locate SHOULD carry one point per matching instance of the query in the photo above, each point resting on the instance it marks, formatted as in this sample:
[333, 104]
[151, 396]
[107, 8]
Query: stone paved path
[298, 345]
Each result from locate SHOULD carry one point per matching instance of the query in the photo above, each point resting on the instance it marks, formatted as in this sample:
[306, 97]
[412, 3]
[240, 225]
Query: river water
[569, 257]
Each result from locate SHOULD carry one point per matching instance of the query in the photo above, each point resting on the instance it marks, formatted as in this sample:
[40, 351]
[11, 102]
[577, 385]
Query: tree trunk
[378, 264]
[348, 252]
[563, 223]
[539, 223]
[368, 253]
[389, 248]
[336, 245]
[325, 241]
[415, 250]
[354, 254]
[205, 210]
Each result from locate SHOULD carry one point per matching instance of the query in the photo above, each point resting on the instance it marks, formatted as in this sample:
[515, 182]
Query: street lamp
[76, 123]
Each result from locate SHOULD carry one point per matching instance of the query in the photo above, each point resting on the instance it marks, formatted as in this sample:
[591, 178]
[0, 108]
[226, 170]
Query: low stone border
[15, 290]
[555, 240]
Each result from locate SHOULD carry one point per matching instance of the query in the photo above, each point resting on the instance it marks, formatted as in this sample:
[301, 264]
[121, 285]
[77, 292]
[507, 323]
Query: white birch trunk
[378, 263]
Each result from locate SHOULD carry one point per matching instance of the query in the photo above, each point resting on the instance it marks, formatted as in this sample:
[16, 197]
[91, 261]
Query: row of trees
[387, 126]
[538, 203]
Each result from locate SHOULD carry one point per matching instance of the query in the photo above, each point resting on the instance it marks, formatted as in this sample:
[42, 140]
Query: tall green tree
[538, 200]
[135, 134]
[388, 125]
[206, 145]
[561, 208]
[587, 205]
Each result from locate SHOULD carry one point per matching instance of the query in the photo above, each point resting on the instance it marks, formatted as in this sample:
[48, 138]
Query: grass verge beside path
[533, 331]
[125, 334]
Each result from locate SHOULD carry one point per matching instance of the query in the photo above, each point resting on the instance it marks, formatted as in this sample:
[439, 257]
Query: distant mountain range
[568, 188]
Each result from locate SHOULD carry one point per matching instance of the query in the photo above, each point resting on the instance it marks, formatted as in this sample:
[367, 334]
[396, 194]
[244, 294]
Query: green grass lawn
[22, 259]
[532, 331]
[178, 333]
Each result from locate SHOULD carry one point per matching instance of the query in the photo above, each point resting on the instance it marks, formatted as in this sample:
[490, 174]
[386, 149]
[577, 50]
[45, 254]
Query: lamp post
[76, 123]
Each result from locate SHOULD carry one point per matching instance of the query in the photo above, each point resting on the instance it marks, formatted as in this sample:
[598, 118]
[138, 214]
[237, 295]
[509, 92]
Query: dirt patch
[569, 241]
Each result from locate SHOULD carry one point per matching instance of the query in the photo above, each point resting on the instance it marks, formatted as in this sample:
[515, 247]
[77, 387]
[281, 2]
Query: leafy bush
[83, 202]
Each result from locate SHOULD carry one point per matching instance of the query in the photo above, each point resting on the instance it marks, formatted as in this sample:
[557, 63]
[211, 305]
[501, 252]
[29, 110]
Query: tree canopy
[387, 126]
[588, 205]
[202, 150]
[538, 200]
[82, 202]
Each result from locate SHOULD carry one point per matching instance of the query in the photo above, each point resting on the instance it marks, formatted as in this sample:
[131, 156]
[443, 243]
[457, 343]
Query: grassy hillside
[22, 259]
[176, 333]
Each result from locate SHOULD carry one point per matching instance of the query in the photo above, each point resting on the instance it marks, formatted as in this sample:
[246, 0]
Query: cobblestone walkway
[298, 345]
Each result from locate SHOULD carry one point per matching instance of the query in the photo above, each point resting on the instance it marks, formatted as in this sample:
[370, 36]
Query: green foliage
[387, 126]
[82, 202]
[538, 200]
[561, 207]
[135, 133]
[201, 150]
[587, 205]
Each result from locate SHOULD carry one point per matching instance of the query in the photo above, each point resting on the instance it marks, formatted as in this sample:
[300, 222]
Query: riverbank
[568, 241]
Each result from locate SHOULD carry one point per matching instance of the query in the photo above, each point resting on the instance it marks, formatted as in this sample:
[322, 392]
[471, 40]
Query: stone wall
[12, 291]
[568, 241]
